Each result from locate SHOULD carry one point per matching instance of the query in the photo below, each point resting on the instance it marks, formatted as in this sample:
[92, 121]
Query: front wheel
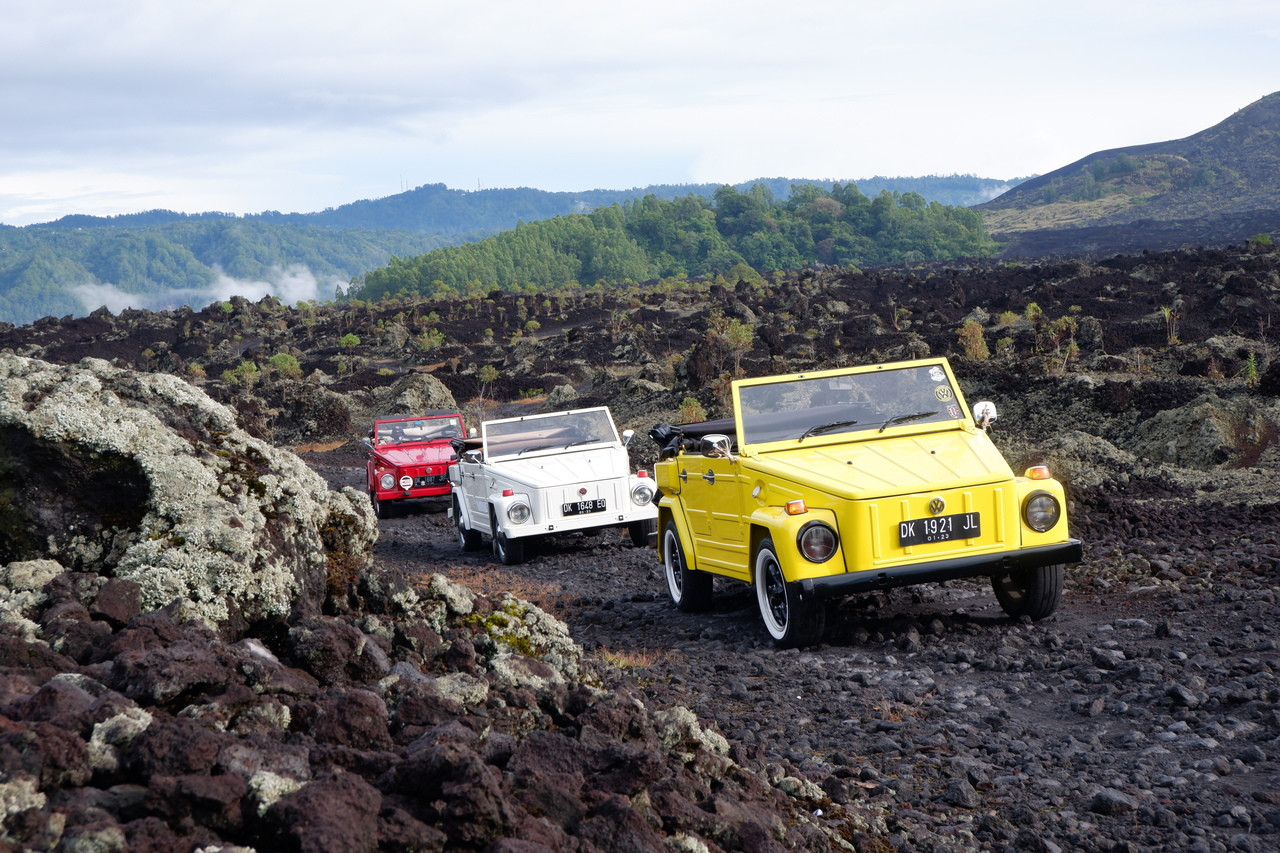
[508, 551]
[381, 509]
[639, 532]
[791, 619]
[1029, 592]
[690, 590]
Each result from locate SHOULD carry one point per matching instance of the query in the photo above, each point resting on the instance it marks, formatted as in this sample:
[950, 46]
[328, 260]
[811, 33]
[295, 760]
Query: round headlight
[817, 542]
[641, 494]
[1041, 511]
[386, 481]
[519, 513]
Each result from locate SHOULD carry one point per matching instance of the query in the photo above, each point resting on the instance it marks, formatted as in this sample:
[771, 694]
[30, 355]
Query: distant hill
[163, 259]
[456, 215]
[1221, 185]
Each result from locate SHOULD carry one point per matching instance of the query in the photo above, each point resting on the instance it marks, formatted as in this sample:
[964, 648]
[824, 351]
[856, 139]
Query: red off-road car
[409, 457]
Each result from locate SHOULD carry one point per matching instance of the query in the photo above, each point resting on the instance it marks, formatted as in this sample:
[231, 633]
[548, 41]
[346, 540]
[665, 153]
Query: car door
[711, 493]
[472, 491]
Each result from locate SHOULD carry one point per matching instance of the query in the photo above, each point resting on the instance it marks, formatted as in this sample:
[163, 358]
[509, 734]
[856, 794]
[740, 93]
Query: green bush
[973, 341]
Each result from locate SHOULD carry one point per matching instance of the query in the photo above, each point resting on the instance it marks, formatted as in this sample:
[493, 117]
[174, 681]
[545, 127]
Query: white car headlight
[641, 494]
[519, 513]
[387, 481]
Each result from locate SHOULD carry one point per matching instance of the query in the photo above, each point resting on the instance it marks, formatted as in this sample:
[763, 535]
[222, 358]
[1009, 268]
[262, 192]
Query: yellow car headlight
[817, 542]
[1041, 511]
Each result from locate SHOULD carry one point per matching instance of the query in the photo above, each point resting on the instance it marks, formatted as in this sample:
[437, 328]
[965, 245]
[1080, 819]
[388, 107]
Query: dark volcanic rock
[402, 710]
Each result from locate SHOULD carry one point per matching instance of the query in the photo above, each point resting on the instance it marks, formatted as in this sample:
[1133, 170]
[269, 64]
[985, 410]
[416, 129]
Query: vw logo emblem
[937, 505]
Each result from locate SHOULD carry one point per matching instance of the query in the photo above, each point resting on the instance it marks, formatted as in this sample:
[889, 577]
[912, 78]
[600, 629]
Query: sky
[119, 106]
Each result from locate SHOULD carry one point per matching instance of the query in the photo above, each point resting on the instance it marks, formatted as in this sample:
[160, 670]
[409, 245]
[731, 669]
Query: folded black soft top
[670, 437]
[462, 445]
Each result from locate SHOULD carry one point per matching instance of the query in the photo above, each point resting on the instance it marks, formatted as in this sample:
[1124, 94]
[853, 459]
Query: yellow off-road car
[848, 480]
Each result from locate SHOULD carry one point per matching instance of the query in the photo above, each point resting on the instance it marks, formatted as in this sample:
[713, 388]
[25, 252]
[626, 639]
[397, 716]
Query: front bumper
[571, 523]
[984, 565]
[429, 492]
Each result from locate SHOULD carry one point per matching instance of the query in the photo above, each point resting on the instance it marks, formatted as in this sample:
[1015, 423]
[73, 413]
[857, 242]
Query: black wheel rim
[675, 569]
[775, 587]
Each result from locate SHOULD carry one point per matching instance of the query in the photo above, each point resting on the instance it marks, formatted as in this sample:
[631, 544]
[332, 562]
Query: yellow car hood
[862, 470]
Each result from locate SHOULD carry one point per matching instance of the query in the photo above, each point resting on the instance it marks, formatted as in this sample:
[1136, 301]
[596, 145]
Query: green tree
[286, 365]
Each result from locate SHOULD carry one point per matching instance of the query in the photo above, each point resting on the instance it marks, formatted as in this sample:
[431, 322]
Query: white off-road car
[545, 474]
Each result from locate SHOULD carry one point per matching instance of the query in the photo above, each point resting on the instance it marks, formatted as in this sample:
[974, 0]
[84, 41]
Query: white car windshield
[555, 432]
[800, 408]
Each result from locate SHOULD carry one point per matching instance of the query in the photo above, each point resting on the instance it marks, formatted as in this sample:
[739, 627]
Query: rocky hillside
[316, 375]
[202, 647]
[1217, 186]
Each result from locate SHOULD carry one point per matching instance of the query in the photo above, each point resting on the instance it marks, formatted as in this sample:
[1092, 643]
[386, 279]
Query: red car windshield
[415, 431]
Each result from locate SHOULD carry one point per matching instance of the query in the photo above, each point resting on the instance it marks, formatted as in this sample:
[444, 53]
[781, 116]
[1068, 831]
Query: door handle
[684, 475]
[710, 477]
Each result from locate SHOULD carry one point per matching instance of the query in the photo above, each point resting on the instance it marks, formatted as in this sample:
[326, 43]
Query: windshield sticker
[953, 411]
[943, 393]
[936, 374]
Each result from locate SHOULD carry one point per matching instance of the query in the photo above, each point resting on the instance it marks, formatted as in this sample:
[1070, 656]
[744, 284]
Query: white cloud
[114, 106]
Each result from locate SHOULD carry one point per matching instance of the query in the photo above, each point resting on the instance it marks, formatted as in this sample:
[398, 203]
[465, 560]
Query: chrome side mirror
[627, 435]
[717, 446]
[984, 414]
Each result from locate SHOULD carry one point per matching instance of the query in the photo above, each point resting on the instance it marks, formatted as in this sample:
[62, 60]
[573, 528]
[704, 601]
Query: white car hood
[540, 472]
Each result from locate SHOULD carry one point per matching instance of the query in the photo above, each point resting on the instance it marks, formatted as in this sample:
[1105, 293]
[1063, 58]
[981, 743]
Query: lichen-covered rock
[144, 477]
[1210, 432]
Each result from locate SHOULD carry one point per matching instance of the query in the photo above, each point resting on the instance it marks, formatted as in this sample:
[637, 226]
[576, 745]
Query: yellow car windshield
[797, 408]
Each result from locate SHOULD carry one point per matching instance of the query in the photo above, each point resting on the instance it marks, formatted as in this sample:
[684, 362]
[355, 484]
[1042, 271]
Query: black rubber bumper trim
[985, 565]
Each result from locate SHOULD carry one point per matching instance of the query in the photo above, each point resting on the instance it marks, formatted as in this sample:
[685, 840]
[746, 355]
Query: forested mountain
[691, 235]
[161, 259]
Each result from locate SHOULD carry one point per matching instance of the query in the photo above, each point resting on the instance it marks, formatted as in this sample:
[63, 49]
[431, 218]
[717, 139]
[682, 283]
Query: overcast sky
[118, 106]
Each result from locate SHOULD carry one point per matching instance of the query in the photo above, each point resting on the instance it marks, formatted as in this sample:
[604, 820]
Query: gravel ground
[1143, 715]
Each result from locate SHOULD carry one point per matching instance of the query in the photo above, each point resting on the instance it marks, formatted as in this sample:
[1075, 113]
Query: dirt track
[1143, 713]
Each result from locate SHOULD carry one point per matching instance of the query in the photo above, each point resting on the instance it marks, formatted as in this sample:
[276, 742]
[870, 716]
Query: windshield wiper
[814, 430]
[536, 447]
[902, 419]
[582, 441]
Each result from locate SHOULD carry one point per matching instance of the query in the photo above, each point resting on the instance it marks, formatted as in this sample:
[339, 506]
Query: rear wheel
[1029, 592]
[690, 590]
[468, 539]
[790, 618]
